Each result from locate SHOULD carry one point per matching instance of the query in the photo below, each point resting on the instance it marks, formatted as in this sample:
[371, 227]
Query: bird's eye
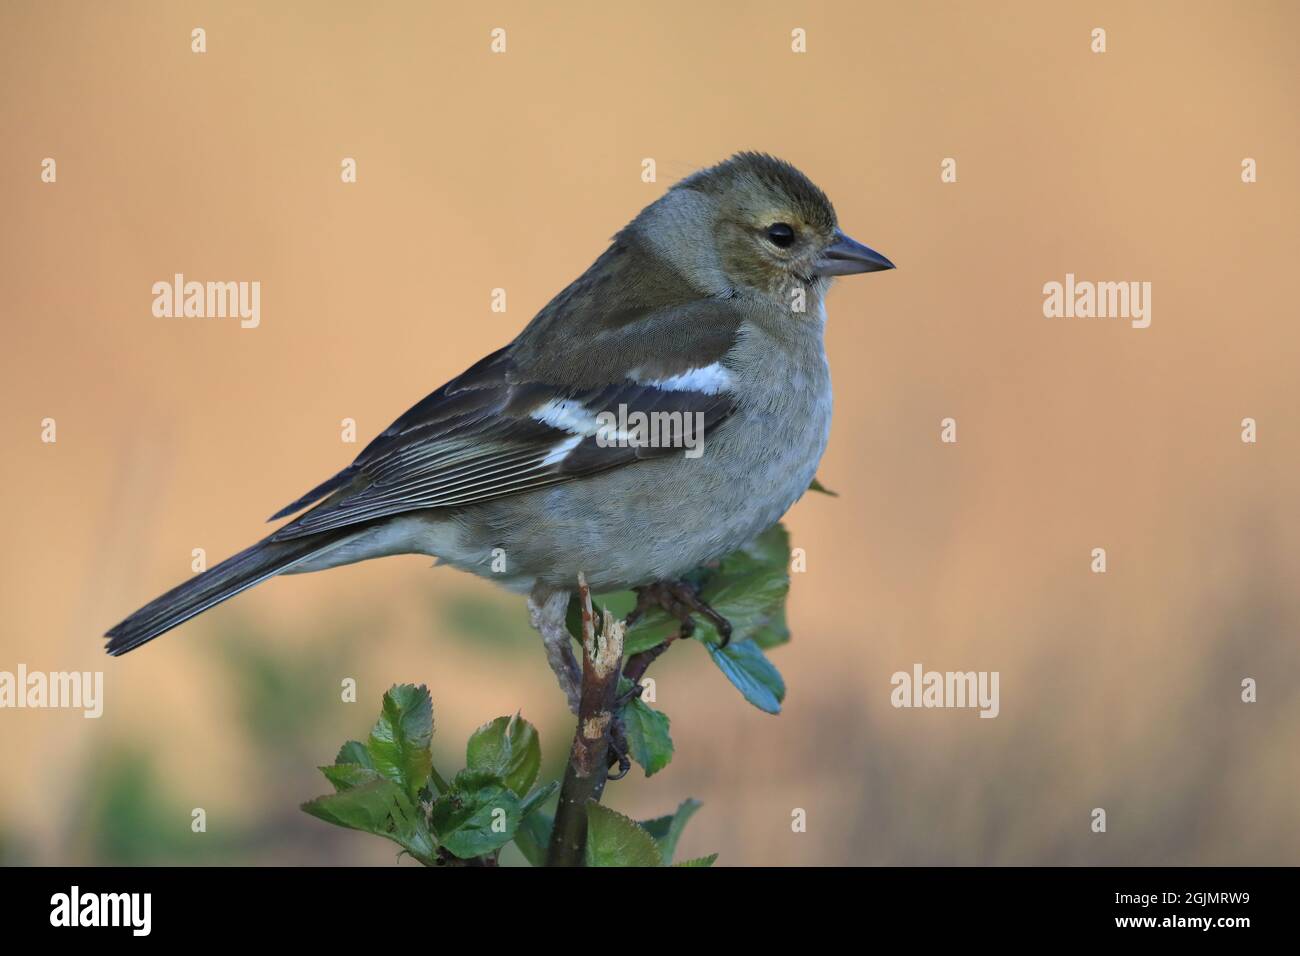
[781, 235]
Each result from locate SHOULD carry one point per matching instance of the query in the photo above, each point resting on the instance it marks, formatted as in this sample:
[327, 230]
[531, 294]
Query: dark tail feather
[251, 566]
[320, 491]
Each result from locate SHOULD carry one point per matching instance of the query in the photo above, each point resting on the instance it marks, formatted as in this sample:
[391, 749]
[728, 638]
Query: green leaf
[380, 807]
[668, 830]
[478, 814]
[354, 751]
[534, 836]
[616, 840]
[749, 587]
[400, 741]
[699, 861]
[534, 833]
[618, 603]
[573, 617]
[368, 807]
[772, 634]
[509, 748]
[818, 486]
[647, 736]
[651, 629]
[535, 799]
[745, 665]
[345, 776]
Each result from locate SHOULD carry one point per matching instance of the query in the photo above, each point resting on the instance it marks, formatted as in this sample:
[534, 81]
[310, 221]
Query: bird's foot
[625, 698]
[618, 749]
[679, 601]
[547, 613]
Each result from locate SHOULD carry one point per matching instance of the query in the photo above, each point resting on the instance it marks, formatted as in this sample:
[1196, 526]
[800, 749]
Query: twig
[584, 777]
[589, 757]
[638, 664]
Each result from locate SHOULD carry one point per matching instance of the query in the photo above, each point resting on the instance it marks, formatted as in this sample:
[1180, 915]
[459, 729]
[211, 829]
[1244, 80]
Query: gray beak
[846, 257]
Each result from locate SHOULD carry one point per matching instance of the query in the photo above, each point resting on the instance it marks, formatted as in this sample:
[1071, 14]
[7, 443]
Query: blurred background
[477, 171]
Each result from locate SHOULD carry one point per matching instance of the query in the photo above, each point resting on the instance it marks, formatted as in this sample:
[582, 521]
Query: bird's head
[768, 227]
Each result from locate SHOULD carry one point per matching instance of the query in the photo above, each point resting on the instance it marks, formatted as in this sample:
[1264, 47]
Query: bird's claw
[626, 698]
[618, 748]
[680, 601]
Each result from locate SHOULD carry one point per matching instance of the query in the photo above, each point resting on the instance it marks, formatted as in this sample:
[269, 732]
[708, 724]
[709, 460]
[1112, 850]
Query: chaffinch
[666, 407]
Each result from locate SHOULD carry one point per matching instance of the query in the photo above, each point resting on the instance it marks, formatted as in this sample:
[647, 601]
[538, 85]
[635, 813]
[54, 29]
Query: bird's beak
[846, 257]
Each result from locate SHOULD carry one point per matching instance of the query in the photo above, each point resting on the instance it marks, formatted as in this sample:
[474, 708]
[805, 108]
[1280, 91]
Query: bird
[708, 310]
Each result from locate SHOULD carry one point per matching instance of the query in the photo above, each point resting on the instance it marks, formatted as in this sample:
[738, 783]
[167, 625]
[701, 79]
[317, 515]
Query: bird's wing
[520, 420]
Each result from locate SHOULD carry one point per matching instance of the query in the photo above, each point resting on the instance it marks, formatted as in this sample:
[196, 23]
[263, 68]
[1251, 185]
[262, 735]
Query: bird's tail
[251, 566]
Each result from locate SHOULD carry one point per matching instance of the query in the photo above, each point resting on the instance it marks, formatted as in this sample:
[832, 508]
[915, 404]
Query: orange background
[478, 171]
